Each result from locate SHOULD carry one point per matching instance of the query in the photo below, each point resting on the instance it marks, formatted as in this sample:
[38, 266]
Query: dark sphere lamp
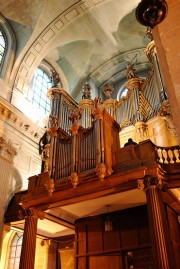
[150, 13]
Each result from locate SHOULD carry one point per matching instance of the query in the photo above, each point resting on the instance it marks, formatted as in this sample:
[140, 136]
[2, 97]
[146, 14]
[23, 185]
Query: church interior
[89, 134]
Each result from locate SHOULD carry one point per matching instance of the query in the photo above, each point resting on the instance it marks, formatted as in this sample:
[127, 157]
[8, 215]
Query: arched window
[7, 48]
[2, 47]
[15, 251]
[41, 83]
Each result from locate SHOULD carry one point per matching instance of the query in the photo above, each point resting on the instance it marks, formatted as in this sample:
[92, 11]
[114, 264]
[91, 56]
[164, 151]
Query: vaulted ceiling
[81, 39]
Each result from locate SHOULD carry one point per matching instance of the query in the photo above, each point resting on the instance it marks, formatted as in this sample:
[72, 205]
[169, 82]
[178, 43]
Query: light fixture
[108, 223]
[151, 12]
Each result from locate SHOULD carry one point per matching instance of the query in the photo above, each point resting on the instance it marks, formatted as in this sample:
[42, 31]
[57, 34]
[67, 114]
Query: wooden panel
[81, 263]
[144, 235]
[175, 233]
[129, 238]
[111, 239]
[128, 229]
[139, 259]
[130, 233]
[81, 238]
[105, 262]
[95, 235]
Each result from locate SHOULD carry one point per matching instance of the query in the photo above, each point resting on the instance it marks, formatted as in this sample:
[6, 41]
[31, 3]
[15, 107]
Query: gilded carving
[130, 70]
[98, 114]
[150, 49]
[7, 150]
[141, 131]
[134, 83]
[53, 120]
[108, 90]
[49, 185]
[74, 117]
[45, 156]
[74, 179]
[74, 129]
[52, 131]
[165, 112]
[86, 94]
[45, 242]
[101, 171]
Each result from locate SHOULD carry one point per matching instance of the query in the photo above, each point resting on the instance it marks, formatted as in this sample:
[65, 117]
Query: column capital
[151, 182]
[31, 212]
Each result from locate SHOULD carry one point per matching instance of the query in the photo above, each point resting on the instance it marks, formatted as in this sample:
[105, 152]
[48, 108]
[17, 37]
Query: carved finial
[97, 102]
[55, 80]
[86, 91]
[108, 89]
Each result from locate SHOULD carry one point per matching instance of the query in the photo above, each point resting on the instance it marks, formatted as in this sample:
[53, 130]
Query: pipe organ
[83, 136]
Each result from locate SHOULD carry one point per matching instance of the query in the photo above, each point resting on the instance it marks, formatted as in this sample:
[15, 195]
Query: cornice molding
[13, 117]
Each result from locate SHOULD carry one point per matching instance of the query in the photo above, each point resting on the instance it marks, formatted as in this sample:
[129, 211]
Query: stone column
[29, 237]
[160, 234]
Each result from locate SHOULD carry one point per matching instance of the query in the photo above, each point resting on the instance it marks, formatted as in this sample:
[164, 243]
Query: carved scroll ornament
[151, 182]
[7, 150]
[31, 212]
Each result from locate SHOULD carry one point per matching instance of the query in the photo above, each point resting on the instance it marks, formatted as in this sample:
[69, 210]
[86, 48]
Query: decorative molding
[134, 83]
[17, 120]
[51, 31]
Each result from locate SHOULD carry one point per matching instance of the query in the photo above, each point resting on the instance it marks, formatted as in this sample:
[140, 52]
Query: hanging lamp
[151, 12]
